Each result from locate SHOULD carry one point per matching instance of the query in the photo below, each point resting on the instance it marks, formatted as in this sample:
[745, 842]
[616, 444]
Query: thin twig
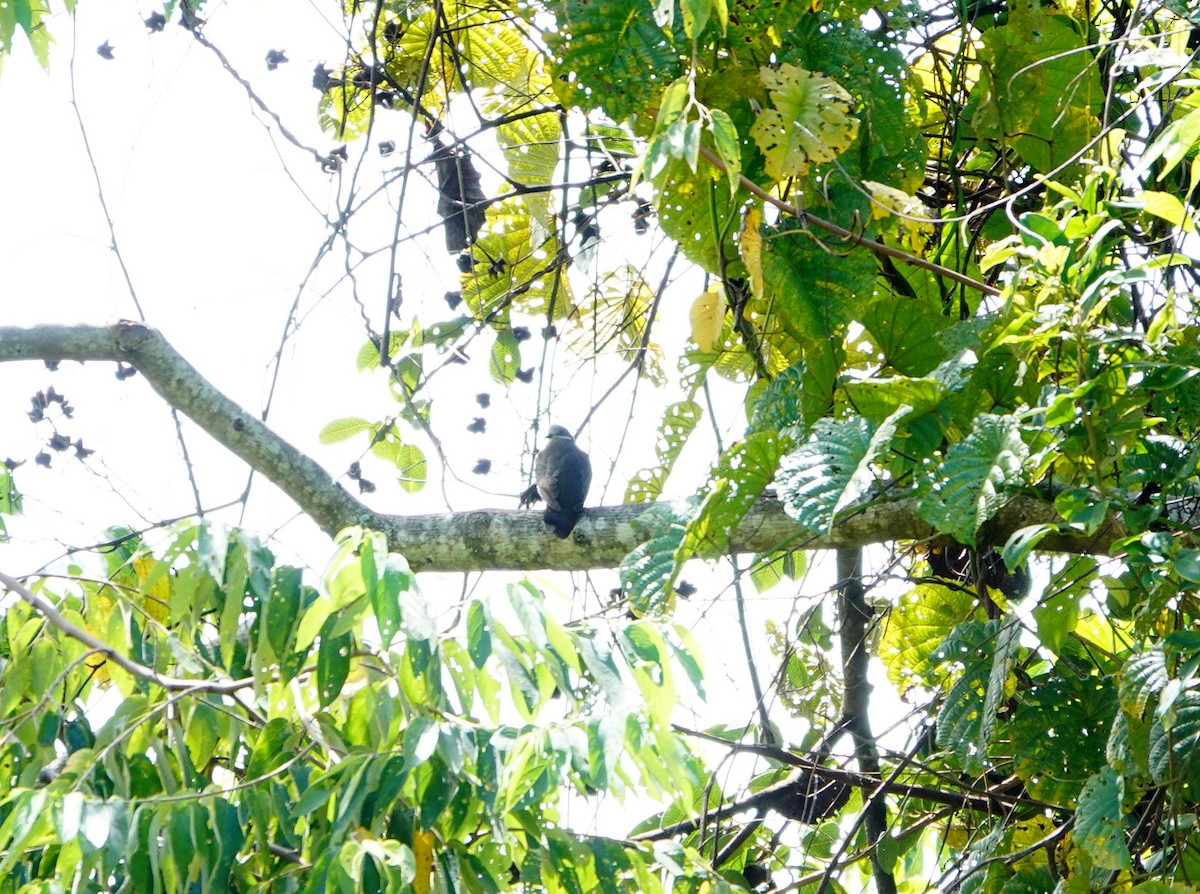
[173, 684]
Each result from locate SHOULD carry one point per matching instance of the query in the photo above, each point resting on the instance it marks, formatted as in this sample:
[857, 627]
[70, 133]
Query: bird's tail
[562, 521]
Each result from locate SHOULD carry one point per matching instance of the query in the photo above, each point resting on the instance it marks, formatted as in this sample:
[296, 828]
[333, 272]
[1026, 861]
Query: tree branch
[224, 685]
[490, 539]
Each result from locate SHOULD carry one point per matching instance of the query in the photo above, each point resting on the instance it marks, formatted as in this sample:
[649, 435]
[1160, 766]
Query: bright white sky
[219, 220]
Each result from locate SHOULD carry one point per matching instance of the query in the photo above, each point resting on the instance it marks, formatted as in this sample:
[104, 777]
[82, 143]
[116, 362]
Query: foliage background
[182, 710]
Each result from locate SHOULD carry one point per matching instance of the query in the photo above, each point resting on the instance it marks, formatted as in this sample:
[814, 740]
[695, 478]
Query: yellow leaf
[914, 216]
[156, 597]
[750, 246]
[1167, 207]
[422, 847]
[708, 316]
[810, 124]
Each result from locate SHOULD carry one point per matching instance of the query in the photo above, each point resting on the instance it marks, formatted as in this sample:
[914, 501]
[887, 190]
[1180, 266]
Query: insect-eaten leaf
[810, 124]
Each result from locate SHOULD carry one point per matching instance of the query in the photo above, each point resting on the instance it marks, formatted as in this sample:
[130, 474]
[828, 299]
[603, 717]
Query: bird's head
[558, 433]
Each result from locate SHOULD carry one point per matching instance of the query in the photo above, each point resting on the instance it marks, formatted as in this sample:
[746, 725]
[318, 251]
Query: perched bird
[562, 476]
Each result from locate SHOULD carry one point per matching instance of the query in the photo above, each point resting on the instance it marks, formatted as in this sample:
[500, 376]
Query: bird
[561, 476]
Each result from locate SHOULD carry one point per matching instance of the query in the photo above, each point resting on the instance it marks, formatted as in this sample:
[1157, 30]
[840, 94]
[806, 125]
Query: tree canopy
[901, 293]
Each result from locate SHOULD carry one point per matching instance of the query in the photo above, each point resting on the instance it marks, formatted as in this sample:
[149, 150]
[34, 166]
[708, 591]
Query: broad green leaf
[969, 486]
[769, 569]
[648, 573]
[610, 54]
[1100, 822]
[780, 406]
[513, 267]
[505, 358]
[1038, 89]
[832, 470]
[1059, 734]
[815, 293]
[410, 463]
[695, 16]
[739, 478]
[878, 398]
[1175, 751]
[1142, 679]
[917, 625]
[1056, 618]
[1168, 207]
[966, 719]
[701, 216]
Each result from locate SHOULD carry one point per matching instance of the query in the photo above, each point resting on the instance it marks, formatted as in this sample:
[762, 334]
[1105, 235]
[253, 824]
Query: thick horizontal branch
[479, 540]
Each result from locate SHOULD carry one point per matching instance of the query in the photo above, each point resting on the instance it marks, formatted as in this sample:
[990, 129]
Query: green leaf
[1003, 661]
[906, 331]
[333, 662]
[514, 268]
[967, 717]
[1142, 679]
[700, 216]
[343, 429]
[610, 54]
[739, 477]
[414, 470]
[917, 626]
[1038, 89]
[832, 470]
[811, 122]
[275, 744]
[878, 398]
[505, 358]
[769, 569]
[728, 145]
[1100, 823]
[1059, 734]
[677, 425]
[281, 612]
[1056, 617]
[815, 293]
[226, 827]
[648, 573]
[385, 597]
[970, 484]
[1175, 751]
[695, 16]
[1022, 542]
[780, 404]
[1172, 145]
[479, 638]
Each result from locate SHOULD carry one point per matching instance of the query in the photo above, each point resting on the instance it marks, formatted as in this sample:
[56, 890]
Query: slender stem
[174, 684]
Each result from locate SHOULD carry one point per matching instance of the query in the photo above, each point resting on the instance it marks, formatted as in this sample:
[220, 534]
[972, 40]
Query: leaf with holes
[1100, 823]
[810, 123]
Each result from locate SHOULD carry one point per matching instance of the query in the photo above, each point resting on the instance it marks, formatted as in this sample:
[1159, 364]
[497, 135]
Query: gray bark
[481, 540]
